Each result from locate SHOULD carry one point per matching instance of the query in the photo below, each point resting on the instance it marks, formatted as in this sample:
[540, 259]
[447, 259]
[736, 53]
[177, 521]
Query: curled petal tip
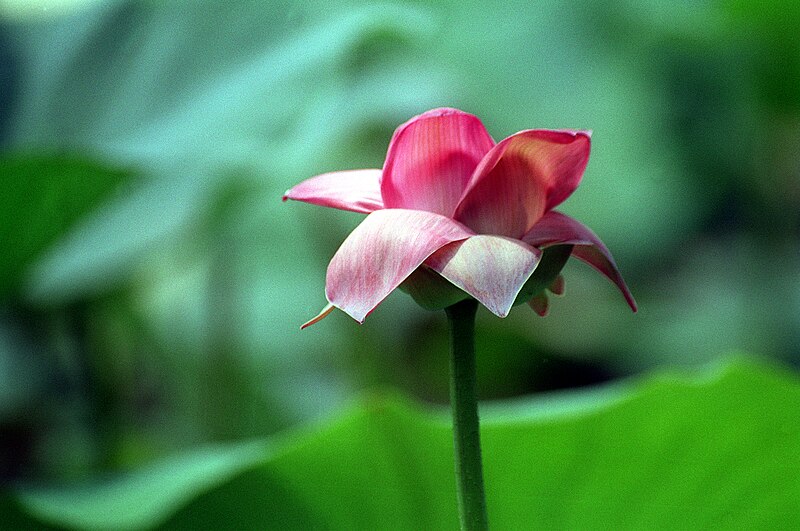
[353, 190]
[319, 317]
[558, 229]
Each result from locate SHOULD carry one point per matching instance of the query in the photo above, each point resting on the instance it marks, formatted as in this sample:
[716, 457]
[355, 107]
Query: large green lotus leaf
[149, 495]
[717, 449]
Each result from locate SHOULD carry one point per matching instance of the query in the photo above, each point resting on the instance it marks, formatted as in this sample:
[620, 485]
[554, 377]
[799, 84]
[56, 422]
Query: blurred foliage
[44, 196]
[152, 283]
[388, 462]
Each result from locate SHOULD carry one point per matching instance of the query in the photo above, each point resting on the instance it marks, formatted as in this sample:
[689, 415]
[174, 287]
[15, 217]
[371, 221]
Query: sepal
[553, 260]
[431, 290]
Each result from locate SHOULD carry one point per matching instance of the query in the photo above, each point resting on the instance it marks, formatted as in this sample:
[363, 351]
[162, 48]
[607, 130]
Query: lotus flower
[452, 207]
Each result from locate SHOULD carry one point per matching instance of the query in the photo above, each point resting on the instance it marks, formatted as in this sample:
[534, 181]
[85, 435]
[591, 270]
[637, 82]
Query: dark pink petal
[430, 159]
[381, 252]
[356, 190]
[492, 269]
[556, 228]
[521, 178]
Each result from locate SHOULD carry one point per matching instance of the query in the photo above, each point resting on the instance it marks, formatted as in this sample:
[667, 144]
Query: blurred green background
[152, 283]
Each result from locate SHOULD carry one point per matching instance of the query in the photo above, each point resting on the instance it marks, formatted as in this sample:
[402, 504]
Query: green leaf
[43, 196]
[147, 497]
[714, 450]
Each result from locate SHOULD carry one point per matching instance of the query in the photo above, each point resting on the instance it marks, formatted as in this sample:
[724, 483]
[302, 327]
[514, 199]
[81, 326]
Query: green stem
[464, 404]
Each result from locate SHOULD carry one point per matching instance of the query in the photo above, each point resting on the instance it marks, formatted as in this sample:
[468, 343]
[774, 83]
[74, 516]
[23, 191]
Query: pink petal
[430, 159]
[381, 252]
[521, 178]
[356, 190]
[492, 269]
[558, 286]
[556, 228]
[540, 304]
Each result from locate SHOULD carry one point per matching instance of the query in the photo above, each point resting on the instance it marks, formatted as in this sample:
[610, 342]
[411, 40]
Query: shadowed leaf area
[562, 461]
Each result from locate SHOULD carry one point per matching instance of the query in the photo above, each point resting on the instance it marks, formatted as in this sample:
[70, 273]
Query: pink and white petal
[521, 178]
[556, 228]
[381, 252]
[430, 159]
[355, 190]
[492, 269]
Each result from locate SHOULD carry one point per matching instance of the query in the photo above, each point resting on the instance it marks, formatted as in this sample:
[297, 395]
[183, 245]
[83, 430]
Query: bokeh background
[152, 283]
